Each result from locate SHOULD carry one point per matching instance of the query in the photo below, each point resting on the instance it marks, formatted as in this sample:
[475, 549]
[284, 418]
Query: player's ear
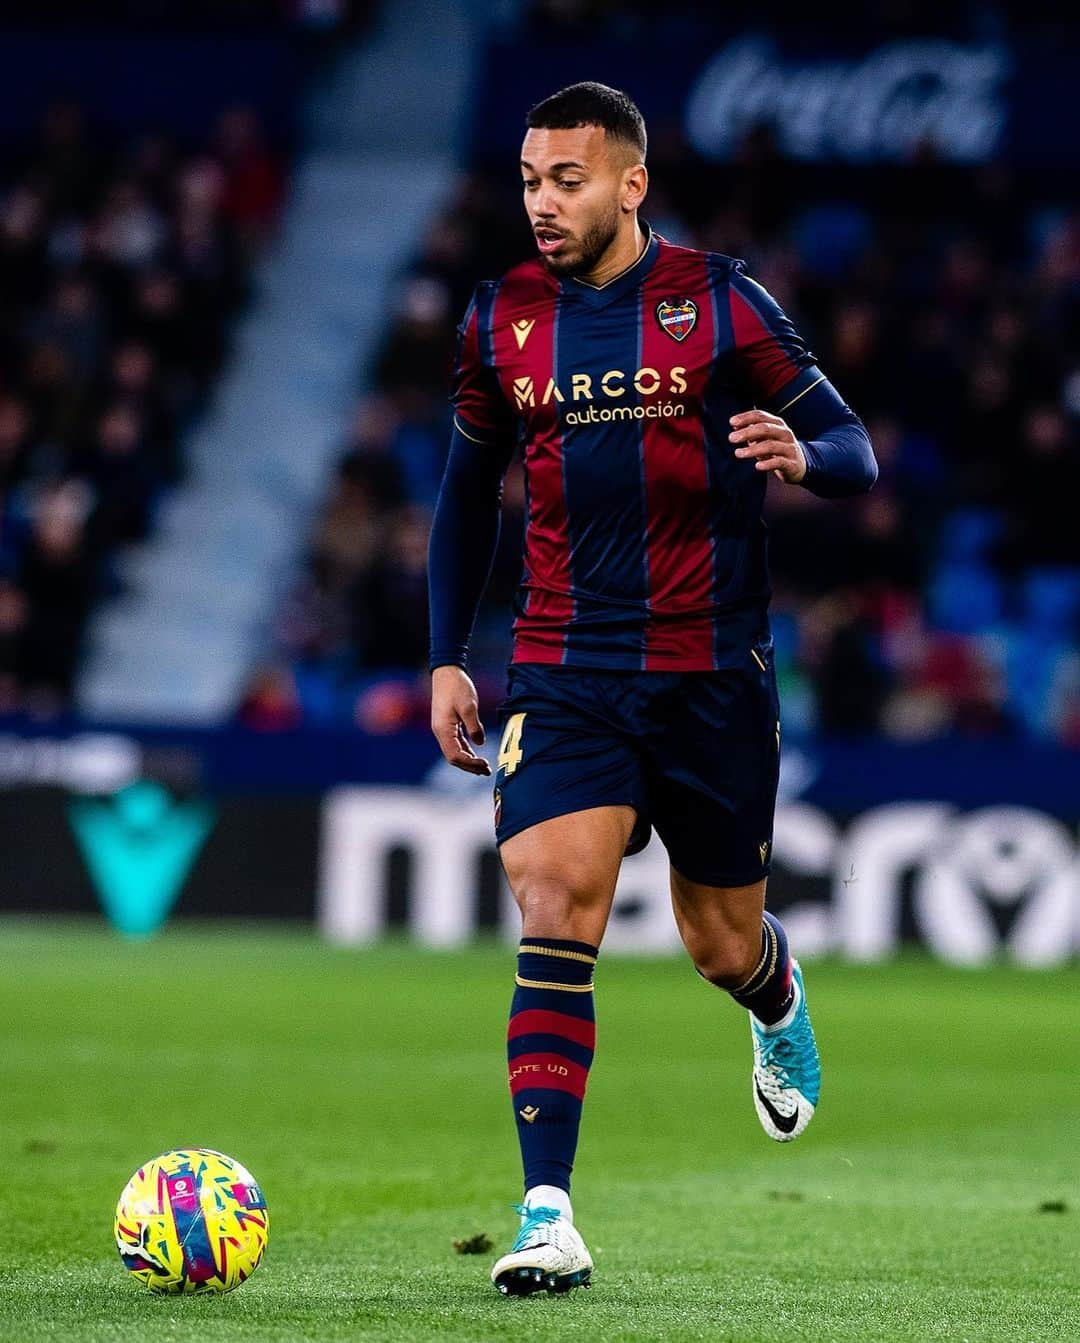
[635, 185]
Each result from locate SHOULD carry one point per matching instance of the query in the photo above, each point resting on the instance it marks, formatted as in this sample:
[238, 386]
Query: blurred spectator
[270, 703]
[14, 610]
[253, 182]
[56, 574]
[118, 468]
[389, 601]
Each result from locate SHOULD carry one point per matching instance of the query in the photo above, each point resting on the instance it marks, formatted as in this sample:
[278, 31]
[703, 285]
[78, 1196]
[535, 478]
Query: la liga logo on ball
[191, 1220]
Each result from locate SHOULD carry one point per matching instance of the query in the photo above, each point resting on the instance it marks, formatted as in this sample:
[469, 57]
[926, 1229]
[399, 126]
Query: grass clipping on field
[478, 1244]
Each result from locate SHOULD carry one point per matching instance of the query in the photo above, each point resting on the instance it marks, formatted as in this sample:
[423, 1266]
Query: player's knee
[554, 905]
[726, 962]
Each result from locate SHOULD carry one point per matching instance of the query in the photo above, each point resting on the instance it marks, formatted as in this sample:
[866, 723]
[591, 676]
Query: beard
[595, 241]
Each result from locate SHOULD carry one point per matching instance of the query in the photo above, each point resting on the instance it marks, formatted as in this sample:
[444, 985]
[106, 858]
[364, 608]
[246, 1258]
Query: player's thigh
[712, 776]
[562, 871]
[560, 753]
[720, 926]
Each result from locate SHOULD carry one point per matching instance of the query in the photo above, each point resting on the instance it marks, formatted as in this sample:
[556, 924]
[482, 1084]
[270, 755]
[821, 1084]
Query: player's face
[574, 183]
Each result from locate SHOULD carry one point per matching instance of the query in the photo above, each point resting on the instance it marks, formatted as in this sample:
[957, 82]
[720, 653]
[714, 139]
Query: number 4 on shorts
[510, 752]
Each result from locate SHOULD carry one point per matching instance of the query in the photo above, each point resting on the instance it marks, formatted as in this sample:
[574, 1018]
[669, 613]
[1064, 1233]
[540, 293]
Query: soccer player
[653, 390]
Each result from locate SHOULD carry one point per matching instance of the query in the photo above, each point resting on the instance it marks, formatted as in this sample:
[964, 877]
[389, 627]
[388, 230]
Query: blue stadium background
[234, 243]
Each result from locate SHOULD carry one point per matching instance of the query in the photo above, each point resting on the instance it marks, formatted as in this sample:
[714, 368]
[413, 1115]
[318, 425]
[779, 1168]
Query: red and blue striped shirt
[644, 541]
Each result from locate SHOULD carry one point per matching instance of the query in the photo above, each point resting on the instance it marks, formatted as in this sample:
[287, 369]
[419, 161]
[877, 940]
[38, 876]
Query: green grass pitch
[365, 1090]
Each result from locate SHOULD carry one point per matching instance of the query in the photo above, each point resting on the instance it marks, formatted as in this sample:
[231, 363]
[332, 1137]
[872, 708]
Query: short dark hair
[591, 104]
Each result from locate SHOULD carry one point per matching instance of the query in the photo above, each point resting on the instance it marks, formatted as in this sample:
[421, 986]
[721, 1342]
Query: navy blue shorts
[696, 754]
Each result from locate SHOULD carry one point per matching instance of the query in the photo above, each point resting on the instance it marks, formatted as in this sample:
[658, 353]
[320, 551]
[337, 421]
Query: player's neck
[620, 256]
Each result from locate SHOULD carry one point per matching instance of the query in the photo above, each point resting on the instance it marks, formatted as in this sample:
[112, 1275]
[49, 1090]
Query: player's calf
[768, 991]
[550, 1040]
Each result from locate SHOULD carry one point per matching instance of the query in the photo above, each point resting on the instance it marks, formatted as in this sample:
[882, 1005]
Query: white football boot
[548, 1255]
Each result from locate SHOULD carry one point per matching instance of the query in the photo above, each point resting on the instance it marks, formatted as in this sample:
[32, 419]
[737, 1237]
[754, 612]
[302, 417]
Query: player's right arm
[464, 535]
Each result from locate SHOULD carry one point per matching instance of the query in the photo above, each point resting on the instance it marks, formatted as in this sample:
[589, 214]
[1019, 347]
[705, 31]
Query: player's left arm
[803, 431]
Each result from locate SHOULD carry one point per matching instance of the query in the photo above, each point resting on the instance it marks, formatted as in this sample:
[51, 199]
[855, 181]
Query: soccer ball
[192, 1220]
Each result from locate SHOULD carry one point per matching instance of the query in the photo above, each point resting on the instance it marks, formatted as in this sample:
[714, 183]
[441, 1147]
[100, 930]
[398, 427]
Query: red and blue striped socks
[550, 1043]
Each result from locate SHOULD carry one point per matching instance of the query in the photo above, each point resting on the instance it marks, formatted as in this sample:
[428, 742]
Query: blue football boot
[787, 1070]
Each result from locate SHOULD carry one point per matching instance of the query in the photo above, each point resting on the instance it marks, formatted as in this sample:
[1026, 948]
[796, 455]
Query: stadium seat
[968, 534]
[1051, 601]
[965, 598]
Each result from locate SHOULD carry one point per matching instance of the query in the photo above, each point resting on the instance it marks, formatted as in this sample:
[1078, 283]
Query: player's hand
[767, 438]
[455, 719]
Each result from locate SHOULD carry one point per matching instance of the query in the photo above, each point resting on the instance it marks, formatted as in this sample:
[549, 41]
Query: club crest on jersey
[677, 316]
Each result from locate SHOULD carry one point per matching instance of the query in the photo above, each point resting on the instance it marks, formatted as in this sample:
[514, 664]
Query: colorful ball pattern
[192, 1220]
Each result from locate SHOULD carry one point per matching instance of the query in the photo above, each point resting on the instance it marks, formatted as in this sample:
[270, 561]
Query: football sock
[769, 993]
[548, 1196]
[549, 1046]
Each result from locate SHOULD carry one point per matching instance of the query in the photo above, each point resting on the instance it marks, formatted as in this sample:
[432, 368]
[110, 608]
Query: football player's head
[583, 171]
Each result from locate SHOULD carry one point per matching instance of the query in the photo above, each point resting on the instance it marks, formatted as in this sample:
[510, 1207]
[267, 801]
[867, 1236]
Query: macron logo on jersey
[521, 331]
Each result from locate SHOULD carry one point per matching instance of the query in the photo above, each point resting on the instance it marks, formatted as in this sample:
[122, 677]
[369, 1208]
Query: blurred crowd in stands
[120, 266]
[944, 302]
[633, 20]
[202, 15]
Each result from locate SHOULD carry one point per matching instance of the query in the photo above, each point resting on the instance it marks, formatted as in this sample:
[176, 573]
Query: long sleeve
[464, 535]
[840, 462]
[465, 529]
[839, 456]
